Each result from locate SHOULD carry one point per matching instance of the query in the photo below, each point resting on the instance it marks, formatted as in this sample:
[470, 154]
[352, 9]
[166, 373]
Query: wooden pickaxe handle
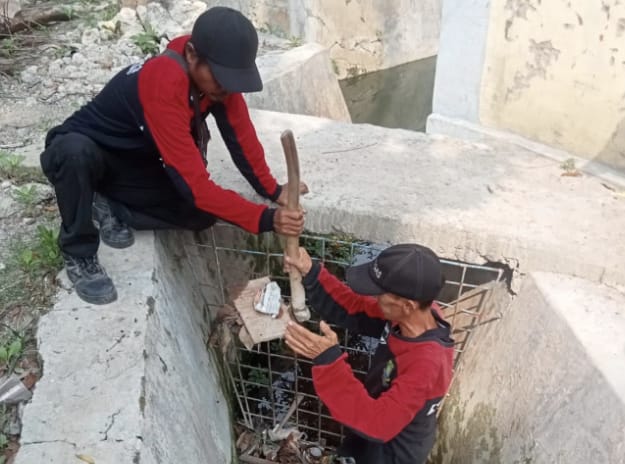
[298, 295]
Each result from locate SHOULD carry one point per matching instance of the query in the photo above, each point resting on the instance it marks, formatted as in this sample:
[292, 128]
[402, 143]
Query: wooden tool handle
[298, 296]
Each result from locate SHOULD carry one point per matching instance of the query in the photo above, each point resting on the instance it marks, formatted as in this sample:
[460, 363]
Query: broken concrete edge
[460, 128]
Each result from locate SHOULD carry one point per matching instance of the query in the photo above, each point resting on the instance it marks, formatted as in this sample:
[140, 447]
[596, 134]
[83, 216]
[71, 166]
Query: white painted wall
[551, 72]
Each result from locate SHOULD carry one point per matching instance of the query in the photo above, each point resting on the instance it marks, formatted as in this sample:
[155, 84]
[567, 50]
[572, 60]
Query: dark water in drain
[398, 97]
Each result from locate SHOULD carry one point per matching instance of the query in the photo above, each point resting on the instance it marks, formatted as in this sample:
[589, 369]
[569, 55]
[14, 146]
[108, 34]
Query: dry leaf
[86, 458]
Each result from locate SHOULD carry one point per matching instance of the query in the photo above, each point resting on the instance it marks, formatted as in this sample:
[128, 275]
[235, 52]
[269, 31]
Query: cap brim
[237, 80]
[359, 280]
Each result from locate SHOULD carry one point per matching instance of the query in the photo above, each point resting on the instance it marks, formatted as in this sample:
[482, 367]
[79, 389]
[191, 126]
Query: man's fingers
[303, 188]
[325, 329]
[288, 222]
[299, 345]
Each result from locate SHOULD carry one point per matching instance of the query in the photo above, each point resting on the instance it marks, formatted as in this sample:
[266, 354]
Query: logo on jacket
[376, 270]
[434, 408]
[387, 373]
[134, 68]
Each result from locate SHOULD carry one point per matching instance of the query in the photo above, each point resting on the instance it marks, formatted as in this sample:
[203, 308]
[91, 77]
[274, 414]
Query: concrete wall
[186, 407]
[545, 383]
[300, 80]
[552, 72]
[363, 35]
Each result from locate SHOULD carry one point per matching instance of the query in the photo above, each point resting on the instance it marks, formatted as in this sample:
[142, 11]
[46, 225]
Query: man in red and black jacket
[392, 417]
[136, 154]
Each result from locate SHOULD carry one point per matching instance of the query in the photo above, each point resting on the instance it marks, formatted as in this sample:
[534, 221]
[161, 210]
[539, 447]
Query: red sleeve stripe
[345, 297]
[238, 133]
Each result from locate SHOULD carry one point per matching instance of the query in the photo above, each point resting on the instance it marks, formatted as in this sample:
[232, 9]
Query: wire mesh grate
[269, 378]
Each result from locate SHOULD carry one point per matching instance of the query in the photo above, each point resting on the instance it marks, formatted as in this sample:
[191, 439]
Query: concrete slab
[88, 399]
[461, 129]
[127, 381]
[300, 80]
[545, 383]
[468, 201]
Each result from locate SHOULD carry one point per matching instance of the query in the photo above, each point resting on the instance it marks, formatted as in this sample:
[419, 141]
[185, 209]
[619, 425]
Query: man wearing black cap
[392, 417]
[136, 154]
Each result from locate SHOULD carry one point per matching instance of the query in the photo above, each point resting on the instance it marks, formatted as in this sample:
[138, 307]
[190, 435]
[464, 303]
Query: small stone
[5, 184]
[78, 58]
[30, 75]
[28, 220]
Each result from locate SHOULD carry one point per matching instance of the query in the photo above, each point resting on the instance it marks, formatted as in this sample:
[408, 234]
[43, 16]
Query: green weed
[41, 256]
[12, 168]
[10, 164]
[147, 41]
[569, 168]
[295, 41]
[10, 352]
[27, 197]
[8, 47]
[257, 377]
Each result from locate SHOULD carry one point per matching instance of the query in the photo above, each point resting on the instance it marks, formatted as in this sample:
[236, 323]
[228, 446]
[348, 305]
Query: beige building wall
[554, 72]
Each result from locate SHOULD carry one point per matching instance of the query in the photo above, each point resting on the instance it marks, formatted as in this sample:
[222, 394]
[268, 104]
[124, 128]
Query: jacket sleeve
[163, 93]
[337, 303]
[236, 128]
[377, 419]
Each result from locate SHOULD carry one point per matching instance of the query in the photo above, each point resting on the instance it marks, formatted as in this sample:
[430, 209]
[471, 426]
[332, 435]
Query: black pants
[139, 192]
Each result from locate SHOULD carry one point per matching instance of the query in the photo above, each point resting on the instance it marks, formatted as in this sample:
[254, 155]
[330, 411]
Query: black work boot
[90, 280]
[113, 232]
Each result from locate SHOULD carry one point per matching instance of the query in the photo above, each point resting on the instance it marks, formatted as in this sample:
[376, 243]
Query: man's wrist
[273, 197]
[265, 223]
[328, 356]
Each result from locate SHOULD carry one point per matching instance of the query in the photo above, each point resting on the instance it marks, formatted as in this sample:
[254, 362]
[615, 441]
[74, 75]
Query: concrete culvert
[270, 390]
[134, 381]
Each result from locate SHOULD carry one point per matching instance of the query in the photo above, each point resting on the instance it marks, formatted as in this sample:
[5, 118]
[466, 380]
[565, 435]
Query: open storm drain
[277, 415]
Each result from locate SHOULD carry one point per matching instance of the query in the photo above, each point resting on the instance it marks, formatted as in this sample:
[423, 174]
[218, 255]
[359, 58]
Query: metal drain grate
[268, 378]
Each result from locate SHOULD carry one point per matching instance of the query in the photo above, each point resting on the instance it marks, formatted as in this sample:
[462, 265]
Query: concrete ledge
[546, 383]
[88, 399]
[459, 128]
[474, 202]
[131, 381]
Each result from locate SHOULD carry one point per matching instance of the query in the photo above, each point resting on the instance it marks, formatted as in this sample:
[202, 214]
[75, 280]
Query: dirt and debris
[257, 447]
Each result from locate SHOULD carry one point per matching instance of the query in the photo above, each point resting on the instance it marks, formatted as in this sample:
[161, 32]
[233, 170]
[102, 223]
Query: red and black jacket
[145, 111]
[392, 417]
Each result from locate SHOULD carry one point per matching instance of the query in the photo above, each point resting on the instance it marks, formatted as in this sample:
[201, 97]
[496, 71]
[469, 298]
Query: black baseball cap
[228, 42]
[408, 270]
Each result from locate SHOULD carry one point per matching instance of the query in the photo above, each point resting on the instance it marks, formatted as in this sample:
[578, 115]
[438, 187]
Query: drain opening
[273, 389]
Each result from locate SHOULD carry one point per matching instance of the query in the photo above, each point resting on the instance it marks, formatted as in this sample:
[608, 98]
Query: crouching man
[136, 155]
